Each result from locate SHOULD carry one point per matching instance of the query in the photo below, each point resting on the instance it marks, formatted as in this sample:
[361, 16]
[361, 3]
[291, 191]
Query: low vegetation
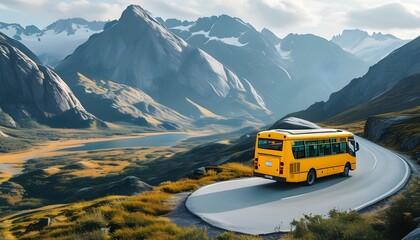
[121, 217]
[394, 221]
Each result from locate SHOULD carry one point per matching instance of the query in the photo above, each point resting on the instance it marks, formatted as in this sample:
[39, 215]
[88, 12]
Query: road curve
[260, 206]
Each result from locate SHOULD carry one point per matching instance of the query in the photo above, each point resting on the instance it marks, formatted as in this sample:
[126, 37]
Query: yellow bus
[304, 155]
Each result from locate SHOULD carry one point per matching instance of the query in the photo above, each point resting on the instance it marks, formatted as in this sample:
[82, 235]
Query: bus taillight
[256, 163]
[281, 167]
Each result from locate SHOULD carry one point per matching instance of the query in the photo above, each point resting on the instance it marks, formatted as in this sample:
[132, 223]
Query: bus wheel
[346, 170]
[310, 179]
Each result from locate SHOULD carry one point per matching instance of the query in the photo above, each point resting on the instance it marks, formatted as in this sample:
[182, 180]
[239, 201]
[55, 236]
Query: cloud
[388, 16]
[278, 14]
[175, 9]
[90, 10]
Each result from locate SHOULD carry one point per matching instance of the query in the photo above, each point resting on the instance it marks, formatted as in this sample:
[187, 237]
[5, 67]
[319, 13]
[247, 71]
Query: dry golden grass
[135, 217]
[4, 176]
[98, 168]
[354, 127]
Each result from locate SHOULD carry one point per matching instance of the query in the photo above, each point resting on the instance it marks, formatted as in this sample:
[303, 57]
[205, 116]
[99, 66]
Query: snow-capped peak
[370, 48]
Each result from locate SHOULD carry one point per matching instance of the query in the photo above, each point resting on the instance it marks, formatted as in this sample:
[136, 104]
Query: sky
[321, 17]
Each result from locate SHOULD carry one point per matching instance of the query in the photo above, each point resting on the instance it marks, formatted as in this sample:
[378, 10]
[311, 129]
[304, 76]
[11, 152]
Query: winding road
[260, 206]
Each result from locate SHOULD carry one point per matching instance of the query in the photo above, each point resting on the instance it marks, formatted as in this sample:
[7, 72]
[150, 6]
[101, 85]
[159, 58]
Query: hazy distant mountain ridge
[30, 91]
[19, 30]
[371, 48]
[59, 39]
[138, 51]
[320, 67]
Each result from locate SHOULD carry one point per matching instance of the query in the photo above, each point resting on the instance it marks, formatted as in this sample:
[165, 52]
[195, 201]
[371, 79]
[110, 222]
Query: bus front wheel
[346, 170]
[310, 179]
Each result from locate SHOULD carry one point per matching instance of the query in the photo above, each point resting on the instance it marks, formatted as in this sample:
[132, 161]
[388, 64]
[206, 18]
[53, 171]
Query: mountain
[319, 66]
[30, 91]
[370, 48]
[139, 52]
[270, 36]
[59, 39]
[381, 77]
[16, 30]
[116, 102]
[298, 69]
[403, 95]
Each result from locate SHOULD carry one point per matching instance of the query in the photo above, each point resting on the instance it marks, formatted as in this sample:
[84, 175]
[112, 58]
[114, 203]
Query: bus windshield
[270, 144]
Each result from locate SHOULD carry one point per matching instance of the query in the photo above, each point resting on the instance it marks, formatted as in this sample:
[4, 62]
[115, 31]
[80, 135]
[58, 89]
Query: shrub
[399, 217]
[91, 221]
[340, 225]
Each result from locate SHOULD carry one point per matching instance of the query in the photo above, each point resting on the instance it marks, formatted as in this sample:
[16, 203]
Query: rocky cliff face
[30, 91]
[399, 130]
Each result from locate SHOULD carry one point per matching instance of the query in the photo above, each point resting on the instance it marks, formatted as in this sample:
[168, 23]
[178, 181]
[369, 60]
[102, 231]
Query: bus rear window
[270, 144]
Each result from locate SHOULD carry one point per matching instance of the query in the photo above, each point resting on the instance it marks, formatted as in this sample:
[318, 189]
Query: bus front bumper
[278, 179]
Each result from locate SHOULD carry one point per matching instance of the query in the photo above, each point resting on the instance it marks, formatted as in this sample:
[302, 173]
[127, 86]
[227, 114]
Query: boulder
[43, 222]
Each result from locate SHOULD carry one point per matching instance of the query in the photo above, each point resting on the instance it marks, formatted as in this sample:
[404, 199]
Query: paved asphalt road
[260, 206]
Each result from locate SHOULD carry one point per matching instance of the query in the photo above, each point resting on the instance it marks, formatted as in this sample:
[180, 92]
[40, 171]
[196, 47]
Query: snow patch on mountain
[256, 95]
[287, 73]
[182, 28]
[284, 54]
[235, 82]
[234, 41]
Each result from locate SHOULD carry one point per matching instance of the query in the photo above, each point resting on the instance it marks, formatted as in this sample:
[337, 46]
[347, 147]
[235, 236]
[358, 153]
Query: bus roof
[305, 133]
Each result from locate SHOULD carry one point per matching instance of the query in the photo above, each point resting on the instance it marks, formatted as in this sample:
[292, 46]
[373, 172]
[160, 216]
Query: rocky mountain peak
[137, 18]
[270, 36]
[31, 91]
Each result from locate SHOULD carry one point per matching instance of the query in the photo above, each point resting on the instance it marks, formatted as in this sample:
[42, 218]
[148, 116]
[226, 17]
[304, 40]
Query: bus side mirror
[357, 147]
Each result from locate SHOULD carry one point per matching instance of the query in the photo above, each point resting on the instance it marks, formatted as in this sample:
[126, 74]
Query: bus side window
[311, 148]
[298, 149]
[324, 147]
[343, 147]
[335, 147]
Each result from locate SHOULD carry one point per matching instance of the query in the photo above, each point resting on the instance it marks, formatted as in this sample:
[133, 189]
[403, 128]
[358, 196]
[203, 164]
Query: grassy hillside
[404, 95]
[121, 217]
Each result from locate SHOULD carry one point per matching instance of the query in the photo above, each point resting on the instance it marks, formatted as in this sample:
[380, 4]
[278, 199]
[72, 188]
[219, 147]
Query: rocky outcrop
[393, 130]
[294, 123]
[30, 91]
[39, 225]
[375, 127]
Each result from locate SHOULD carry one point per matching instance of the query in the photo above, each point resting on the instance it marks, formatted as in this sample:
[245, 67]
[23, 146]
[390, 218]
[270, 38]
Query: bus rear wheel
[346, 170]
[310, 179]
